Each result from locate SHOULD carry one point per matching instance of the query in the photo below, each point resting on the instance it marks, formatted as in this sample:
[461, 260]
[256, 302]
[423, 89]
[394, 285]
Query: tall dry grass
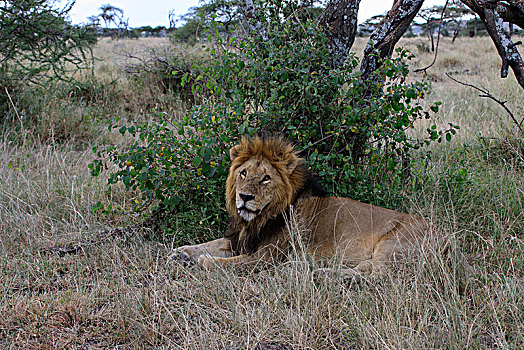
[72, 278]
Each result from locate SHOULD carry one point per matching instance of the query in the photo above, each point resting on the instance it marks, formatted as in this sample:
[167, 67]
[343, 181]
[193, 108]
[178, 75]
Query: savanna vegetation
[86, 265]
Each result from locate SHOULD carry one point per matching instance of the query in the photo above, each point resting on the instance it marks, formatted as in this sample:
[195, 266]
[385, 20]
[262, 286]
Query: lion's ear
[291, 163]
[234, 151]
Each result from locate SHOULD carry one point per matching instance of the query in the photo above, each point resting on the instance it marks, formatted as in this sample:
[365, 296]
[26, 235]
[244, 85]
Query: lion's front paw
[180, 255]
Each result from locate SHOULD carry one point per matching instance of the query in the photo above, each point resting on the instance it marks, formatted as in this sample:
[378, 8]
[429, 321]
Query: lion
[268, 185]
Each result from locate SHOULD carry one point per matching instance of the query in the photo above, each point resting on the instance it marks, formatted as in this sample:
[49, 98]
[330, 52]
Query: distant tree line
[454, 19]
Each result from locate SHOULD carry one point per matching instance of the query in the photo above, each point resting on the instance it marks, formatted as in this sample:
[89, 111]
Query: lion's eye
[243, 173]
[266, 179]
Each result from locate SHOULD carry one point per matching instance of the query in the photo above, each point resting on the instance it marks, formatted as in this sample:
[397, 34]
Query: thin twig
[438, 41]
[14, 107]
[486, 93]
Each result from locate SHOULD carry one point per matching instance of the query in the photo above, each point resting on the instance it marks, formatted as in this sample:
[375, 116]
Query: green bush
[283, 85]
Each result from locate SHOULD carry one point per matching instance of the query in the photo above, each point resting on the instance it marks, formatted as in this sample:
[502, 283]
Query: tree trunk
[457, 30]
[383, 40]
[431, 38]
[488, 13]
[388, 33]
[340, 22]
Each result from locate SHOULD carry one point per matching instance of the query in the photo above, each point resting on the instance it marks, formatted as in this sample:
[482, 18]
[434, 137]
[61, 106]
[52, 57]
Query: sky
[155, 12]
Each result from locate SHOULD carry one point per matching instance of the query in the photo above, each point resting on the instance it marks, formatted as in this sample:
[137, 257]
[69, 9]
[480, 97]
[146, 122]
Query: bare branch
[487, 11]
[14, 108]
[438, 41]
[511, 11]
[487, 94]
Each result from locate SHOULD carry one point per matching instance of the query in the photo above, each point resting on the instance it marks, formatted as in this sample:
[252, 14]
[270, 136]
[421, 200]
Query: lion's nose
[246, 197]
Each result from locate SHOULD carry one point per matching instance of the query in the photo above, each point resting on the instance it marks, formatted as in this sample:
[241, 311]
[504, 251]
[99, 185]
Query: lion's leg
[385, 252]
[208, 261]
[218, 248]
[263, 256]
[364, 268]
[398, 243]
[402, 238]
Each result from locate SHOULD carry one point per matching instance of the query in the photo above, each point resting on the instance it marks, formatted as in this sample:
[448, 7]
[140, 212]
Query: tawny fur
[268, 183]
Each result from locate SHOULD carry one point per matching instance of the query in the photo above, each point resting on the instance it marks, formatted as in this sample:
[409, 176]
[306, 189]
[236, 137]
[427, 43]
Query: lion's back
[336, 223]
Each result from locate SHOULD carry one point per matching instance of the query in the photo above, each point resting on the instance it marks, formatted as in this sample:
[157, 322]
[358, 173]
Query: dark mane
[310, 188]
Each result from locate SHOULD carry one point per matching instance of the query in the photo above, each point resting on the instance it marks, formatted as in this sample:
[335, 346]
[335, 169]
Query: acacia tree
[432, 17]
[456, 12]
[38, 43]
[114, 15]
[111, 14]
[172, 20]
[449, 17]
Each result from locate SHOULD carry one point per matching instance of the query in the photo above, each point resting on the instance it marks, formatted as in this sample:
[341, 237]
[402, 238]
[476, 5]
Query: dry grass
[110, 288]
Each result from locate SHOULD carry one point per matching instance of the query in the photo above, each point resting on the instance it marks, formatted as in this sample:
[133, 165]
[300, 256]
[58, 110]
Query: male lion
[268, 184]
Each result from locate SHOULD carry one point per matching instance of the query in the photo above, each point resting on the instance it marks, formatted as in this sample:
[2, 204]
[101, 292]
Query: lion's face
[256, 183]
[260, 184]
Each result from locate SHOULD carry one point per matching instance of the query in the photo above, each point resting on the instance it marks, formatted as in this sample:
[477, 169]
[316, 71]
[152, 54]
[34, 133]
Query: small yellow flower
[137, 201]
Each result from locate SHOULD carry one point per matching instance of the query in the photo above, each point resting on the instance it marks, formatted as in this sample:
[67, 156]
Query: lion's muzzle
[248, 207]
